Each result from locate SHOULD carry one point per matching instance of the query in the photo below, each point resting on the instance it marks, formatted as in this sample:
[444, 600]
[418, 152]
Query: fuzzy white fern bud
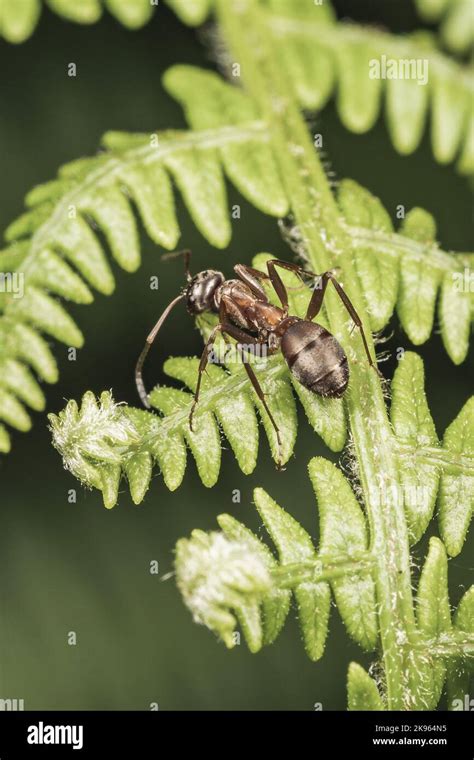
[216, 575]
[97, 433]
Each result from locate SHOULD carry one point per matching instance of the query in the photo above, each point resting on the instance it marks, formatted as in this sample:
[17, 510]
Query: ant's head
[201, 292]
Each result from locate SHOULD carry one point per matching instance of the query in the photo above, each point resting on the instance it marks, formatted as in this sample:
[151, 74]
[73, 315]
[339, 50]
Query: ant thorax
[246, 310]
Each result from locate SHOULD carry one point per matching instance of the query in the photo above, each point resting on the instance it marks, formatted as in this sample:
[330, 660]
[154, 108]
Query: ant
[314, 356]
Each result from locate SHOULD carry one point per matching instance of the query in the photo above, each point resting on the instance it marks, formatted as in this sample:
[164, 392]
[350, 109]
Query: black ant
[312, 353]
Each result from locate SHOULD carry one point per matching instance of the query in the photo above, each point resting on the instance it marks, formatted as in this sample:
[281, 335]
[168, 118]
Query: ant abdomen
[315, 358]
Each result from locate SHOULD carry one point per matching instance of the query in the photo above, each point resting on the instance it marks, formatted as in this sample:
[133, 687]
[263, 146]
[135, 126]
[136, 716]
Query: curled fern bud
[94, 435]
[216, 575]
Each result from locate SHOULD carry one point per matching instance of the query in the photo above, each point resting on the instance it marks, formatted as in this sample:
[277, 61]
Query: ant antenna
[186, 253]
[149, 341]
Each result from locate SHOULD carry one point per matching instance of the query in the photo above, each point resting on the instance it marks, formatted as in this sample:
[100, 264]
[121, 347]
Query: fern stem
[395, 244]
[453, 463]
[328, 245]
[325, 568]
[455, 645]
[232, 385]
[330, 36]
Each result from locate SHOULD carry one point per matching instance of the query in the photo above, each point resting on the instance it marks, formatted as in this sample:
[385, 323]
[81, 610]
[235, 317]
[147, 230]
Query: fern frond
[226, 397]
[457, 23]
[308, 574]
[54, 249]
[18, 18]
[405, 268]
[345, 565]
[460, 669]
[53, 246]
[429, 469]
[321, 55]
[362, 691]
[408, 270]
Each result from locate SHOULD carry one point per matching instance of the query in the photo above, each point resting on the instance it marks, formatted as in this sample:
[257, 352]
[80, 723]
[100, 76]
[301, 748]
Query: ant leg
[277, 283]
[258, 390]
[290, 267]
[316, 302]
[141, 359]
[252, 277]
[205, 357]
[186, 253]
[240, 335]
[202, 366]
[318, 295]
[352, 312]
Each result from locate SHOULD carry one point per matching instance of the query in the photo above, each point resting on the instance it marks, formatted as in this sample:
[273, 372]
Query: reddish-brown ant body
[312, 353]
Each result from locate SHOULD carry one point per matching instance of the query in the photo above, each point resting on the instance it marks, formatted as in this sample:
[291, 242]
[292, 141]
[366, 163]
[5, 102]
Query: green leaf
[457, 23]
[464, 618]
[431, 10]
[362, 690]
[13, 413]
[275, 605]
[139, 470]
[350, 57]
[111, 211]
[243, 437]
[85, 12]
[5, 445]
[150, 188]
[76, 241]
[407, 103]
[460, 670]
[419, 280]
[18, 19]
[169, 450]
[16, 378]
[282, 406]
[198, 175]
[358, 94]
[325, 415]
[458, 29]
[378, 275]
[203, 440]
[433, 610]
[110, 480]
[58, 230]
[192, 13]
[51, 272]
[455, 316]
[456, 493]
[217, 577]
[449, 99]
[343, 532]
[47, 314]
[250, 165]
[311, 69]
[465, 164]
[414, 428]
[131, 13]
[25, 343]
[295, 545]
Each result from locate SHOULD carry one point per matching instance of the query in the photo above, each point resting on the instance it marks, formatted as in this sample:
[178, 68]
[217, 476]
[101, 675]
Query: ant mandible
[314, 356]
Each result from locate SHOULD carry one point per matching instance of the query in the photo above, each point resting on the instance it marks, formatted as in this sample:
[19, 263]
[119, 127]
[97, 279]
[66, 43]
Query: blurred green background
[77, 567]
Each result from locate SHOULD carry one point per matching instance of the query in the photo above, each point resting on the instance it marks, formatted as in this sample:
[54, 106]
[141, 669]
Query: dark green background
[77, 567]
